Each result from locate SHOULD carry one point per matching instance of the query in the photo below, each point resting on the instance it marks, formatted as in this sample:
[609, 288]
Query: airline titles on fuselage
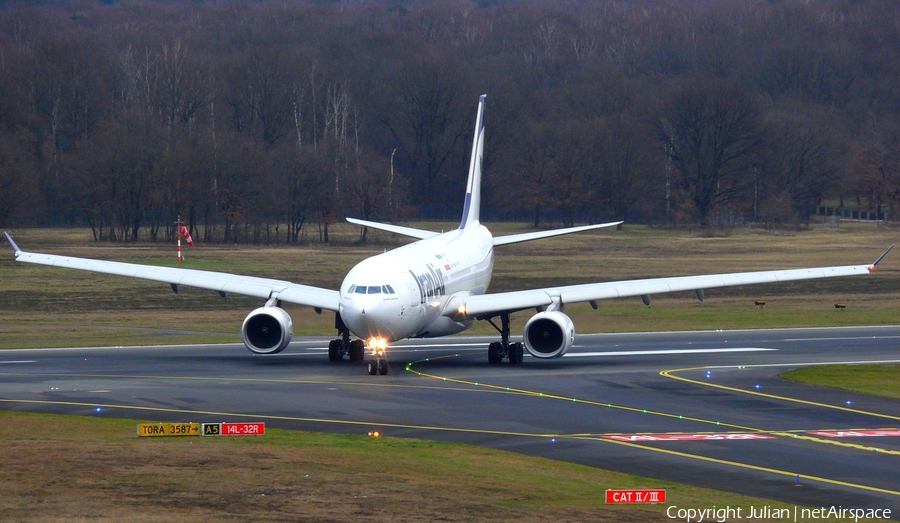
[431, 283]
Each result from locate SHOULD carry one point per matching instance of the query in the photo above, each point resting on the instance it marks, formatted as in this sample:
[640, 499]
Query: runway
[704, 408]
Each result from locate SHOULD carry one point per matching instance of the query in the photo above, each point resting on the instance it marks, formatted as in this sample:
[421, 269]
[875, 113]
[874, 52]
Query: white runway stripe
[656, 352]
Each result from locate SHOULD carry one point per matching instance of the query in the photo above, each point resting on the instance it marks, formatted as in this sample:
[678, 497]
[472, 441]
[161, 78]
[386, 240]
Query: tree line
[268, 121]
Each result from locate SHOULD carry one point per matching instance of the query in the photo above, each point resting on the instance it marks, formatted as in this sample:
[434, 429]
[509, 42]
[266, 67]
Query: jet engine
[267, 330]
[549, 334]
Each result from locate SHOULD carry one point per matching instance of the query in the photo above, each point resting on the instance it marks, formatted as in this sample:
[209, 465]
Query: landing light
[375, 434]
[378, 346]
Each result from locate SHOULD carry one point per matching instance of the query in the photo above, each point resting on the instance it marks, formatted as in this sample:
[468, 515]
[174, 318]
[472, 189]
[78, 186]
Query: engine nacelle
[267, 330]
[549, 334]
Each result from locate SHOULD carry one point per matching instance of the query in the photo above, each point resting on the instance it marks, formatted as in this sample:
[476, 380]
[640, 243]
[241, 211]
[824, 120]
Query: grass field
[875, 380]
[43, 306]
[57, 468]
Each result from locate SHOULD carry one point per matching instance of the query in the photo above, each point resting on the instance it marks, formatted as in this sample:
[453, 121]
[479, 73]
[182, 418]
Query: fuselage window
[361, 289]
[375, 289]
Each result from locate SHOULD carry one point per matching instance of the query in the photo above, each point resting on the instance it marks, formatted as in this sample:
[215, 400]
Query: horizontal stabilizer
[396, 229]
[528, 236]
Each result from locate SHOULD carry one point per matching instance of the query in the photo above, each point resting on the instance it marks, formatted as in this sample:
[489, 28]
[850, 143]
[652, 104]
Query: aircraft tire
[357, 350]
[372, 367]
[334, 350]
[494, 353]
[516, 353]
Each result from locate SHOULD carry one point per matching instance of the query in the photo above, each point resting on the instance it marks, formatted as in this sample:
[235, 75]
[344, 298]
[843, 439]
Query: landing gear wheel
[377, 366]
[357, 350]
[516, 353]
[494, 352]
[334, 350]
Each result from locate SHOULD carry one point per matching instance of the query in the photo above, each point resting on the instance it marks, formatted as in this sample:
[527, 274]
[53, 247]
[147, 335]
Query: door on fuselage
[415, 289]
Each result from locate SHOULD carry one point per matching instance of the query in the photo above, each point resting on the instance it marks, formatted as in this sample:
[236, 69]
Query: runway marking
[253, 380]
[700, 420]
[809, 364]
[856, 433]
[752, 467]
[170, 410]
[454, 429]
[659, 352]
[12, 362]
[670, 374]
[480, 387]
[525, 392]
[729, 436]
[687, 436]
[845, 338]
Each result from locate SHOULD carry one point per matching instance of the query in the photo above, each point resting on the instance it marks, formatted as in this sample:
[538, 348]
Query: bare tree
[710, 130]
[799, 162]
[630, 176]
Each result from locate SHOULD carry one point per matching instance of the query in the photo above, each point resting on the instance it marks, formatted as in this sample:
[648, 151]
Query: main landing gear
[503, 349]
[356, 349]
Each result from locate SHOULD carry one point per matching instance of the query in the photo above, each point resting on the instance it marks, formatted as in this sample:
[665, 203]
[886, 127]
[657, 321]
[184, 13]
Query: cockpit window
[371, 289]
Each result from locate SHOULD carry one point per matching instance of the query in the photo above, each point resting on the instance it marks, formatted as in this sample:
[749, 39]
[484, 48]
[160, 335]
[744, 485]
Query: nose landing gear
[378, 363]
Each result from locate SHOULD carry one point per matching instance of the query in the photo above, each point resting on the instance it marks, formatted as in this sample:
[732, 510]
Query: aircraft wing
[223, 283]
[489, 305]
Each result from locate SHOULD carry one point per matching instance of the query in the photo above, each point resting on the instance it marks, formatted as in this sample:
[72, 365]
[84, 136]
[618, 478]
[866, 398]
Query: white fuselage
[401, 293]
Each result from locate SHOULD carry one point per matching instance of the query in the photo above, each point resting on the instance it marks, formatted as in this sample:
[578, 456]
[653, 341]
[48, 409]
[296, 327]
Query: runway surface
[704, 408]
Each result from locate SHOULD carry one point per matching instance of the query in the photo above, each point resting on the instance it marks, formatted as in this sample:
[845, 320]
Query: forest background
[267, 121]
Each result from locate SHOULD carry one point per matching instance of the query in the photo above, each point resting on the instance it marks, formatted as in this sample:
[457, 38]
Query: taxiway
[704, 408]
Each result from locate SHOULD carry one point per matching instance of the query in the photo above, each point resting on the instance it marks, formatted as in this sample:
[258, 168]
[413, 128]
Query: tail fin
[472, 207]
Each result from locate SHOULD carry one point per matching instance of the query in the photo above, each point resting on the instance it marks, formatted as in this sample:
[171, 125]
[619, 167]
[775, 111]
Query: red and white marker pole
[182, 232]
[178, 235]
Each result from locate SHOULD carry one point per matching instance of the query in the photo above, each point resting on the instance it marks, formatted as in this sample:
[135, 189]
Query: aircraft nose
[371, 316]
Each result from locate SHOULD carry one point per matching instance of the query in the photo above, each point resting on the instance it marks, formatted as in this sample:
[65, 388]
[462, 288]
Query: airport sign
[243, 429]
[234, 429]
[168, 429]
[635, 496]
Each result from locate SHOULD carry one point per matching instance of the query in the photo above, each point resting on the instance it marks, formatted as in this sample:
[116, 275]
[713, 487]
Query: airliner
[435, 286]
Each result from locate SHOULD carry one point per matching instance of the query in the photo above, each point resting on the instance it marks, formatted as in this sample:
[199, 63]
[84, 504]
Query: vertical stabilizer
[472, 207]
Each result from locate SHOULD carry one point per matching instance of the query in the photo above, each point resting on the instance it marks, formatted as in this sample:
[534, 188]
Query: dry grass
[43, 306]
[73, 469]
